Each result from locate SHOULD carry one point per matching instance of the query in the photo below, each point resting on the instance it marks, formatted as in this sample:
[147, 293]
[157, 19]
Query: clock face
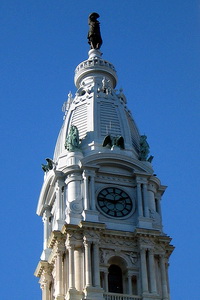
[114, 202]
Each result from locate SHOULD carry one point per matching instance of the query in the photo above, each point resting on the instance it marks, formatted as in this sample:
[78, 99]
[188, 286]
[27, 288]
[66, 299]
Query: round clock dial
[114, 202]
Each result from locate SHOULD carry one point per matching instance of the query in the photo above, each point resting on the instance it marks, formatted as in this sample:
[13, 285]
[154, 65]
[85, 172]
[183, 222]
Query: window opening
[115, 282]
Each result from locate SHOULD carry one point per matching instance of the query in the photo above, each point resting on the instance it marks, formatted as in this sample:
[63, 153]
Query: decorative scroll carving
[76, 206]
[133, 256]
[104, 255]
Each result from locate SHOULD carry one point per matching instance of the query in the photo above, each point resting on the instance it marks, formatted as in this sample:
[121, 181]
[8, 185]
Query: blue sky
[155, 47]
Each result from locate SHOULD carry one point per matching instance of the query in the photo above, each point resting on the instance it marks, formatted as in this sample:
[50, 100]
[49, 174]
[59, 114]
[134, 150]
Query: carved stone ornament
[75, 206]
[117, 242]
[104, 255]
[133, 256]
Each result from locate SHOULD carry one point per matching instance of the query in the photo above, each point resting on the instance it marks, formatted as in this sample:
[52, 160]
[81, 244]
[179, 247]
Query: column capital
[162, 255]
[86, 173]
[91, 173]
[46, 275]
[141, 179]
[70, 243]
[60, 249]
[60, 243]
[151, 251]
[59, 183]
[143, 248]
[86, 242]
[158, 196]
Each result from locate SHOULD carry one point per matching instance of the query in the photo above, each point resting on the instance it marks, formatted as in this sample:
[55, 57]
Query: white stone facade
[89, 251]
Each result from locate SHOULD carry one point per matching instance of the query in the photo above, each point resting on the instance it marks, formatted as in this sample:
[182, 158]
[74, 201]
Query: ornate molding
[118, 179]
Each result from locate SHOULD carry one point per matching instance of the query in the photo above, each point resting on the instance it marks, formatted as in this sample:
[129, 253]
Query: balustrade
[113, 296]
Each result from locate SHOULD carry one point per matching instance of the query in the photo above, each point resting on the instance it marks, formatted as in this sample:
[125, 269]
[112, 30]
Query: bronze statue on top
[94, 34]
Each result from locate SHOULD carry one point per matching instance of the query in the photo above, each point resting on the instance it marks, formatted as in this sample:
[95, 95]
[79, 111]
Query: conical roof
[98, 110]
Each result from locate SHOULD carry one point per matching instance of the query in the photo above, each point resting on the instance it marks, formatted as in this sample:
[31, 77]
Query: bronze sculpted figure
[144, 148]
[48, 166]
[114, 141]
[94, 34]
[72, 140]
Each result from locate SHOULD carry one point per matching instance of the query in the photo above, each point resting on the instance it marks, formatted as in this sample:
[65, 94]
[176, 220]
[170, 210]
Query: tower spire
[101, 201]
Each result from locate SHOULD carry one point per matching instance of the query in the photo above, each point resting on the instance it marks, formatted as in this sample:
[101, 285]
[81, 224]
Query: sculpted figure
[114, 141]
[144, 148]
[94, 34]
[48, 166]
[72, 140]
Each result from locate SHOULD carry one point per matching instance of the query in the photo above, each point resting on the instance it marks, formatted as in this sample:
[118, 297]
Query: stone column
[45, 290]
[139, 200]
[163, 277]
[59, 200]
[59, 274]
[59, 293]
[152, 273]
[46, 221]
[96, 264]
[70, 248]
[92, 191]
[86, 191]
[159, 211]
[88, 275]
[45, 282]
[106, 281]
[74, 198]
[78, 269]
[144, 270]
[130, 283]
[146, 204]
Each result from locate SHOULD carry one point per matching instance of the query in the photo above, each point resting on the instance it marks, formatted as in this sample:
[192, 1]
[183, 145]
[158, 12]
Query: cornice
[43, 264]
[56, 236]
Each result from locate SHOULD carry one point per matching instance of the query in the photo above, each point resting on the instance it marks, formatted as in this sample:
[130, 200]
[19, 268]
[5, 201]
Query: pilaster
[164, 277]
[144, 221]
[89, 213]
[60, 249]
[45, 280]
[59, 205]
[74, 197]
[47, 229]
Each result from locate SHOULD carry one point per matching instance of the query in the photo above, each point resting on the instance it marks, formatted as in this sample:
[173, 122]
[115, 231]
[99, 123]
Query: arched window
[115, 283]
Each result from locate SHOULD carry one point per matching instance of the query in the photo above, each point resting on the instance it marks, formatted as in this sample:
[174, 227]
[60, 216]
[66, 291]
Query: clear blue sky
[155, 47]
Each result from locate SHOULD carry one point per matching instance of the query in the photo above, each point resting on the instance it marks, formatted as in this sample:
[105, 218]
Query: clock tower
[101, 201]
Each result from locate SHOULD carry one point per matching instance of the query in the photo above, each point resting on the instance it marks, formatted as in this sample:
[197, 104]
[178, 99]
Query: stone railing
[113, 296]
[95, 65]
[94, 62]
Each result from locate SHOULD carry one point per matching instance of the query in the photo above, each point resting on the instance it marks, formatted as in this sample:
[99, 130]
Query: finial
[94, 34]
